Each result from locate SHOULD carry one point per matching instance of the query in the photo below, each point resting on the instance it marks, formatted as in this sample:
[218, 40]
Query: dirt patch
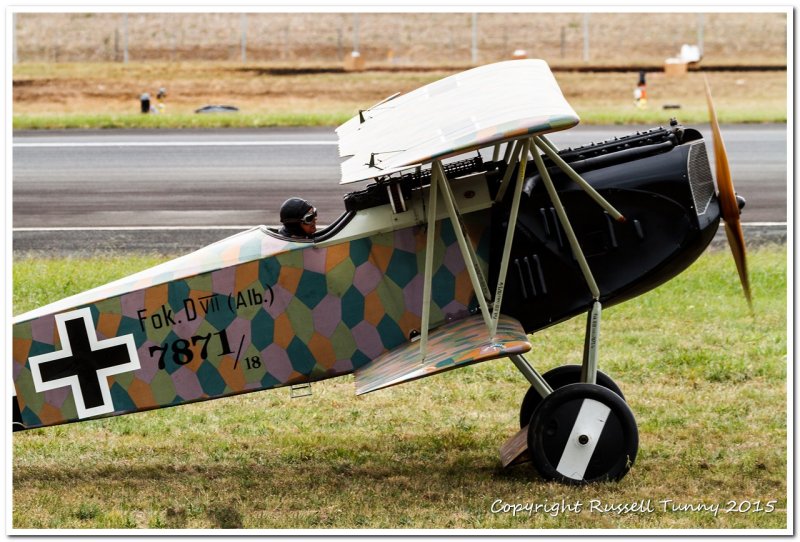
[103, 88]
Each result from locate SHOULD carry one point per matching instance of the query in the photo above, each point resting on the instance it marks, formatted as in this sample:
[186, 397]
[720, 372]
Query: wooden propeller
[729, 207]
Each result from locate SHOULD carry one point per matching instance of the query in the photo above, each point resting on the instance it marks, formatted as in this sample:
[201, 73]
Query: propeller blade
[729, 207]
[727, 195]
[736, 242]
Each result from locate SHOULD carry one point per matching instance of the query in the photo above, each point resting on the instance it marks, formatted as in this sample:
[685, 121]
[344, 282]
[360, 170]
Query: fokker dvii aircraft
[454, 254]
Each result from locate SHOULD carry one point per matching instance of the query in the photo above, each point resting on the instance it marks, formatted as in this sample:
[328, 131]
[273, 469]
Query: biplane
[453, 254]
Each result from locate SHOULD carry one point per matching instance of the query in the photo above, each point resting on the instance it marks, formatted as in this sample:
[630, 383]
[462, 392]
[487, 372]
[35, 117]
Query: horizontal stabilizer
[450, 346]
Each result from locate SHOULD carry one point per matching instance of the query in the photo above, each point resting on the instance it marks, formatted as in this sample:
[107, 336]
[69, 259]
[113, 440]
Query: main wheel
[557, 378]
[583, 433]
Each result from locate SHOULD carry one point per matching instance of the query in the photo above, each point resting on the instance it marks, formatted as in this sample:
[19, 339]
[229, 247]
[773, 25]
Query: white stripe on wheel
[590, 422]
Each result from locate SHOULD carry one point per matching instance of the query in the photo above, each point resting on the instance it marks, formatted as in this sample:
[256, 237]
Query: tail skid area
[515, 450]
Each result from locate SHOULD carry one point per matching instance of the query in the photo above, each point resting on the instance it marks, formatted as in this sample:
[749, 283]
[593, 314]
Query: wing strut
[589, 367]
[467, 251]
[496, 152]
[539, 145]
[549, 149]
[428, 278]
[512, 158]
[569, 232]
[439, 183]
[512, 226]
[515, 449]
[520, 151]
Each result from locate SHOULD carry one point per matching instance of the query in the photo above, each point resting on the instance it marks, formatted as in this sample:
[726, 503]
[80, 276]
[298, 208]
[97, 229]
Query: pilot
[299, 219]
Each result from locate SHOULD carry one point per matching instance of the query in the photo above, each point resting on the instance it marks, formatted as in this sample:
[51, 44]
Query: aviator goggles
[310, 216]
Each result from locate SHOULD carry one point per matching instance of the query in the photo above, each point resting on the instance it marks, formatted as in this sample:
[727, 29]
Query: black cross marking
[84, 363]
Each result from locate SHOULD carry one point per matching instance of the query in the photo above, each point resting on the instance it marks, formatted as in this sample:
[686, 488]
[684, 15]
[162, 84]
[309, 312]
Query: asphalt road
[239, 178]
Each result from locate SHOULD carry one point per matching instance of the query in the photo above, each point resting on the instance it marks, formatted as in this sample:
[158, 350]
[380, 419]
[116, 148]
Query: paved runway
[224, 178]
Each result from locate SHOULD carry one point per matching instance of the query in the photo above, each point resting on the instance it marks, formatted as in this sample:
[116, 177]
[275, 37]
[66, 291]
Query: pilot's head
[299, 217]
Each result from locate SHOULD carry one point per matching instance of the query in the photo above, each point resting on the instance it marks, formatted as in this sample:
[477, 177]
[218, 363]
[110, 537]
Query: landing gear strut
[558, 378]
[575, 425]
[575, 428]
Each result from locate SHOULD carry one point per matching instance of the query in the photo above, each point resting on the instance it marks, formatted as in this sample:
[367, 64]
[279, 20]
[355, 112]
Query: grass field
[706, 381]
[106, 95]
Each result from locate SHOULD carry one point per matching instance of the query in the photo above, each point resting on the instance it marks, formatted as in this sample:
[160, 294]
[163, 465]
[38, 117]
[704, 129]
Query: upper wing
[466, 111]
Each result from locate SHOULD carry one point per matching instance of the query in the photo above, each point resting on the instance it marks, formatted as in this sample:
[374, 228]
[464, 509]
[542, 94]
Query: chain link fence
[401, 39]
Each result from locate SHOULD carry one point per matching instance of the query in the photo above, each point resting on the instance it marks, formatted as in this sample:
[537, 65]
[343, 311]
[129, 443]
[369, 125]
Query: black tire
[583, 433]
[558, 378]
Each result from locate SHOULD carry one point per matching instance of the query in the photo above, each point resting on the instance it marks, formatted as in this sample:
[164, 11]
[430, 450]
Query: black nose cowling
[740, 201]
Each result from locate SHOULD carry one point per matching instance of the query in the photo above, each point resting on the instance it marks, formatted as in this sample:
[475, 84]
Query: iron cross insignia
[84, 363]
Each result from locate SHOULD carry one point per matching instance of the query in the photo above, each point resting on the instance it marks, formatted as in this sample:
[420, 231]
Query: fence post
[355, 32]
[14, 38]
[125, 38]
[586, 37]
[700, 23]
[474, 38]
[244, 37]
[174, 55]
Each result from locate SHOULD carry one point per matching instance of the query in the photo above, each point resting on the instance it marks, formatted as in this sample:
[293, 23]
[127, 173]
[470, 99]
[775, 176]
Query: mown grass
[696, 114]
[106, 95]
[589, 115]
[706, 381]
[184, 120]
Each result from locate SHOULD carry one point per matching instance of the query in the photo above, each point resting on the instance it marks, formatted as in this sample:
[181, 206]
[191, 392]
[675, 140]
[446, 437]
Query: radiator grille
[700, 179]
